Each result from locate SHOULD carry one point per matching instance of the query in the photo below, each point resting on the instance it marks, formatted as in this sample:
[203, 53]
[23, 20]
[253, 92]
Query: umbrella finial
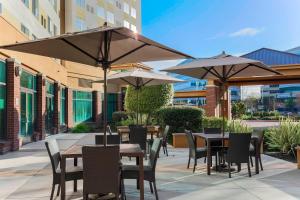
[223, 52]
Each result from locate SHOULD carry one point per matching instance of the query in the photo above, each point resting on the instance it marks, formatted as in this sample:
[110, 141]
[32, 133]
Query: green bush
[180, 118]
[213, 122]
[237, 126]
[285, 137]
[151, 99]
[82, 128]
[238, 109]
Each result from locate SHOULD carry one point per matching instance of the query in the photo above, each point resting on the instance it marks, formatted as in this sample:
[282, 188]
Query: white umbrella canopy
[139, 78]
[100, 47]
[223, 68]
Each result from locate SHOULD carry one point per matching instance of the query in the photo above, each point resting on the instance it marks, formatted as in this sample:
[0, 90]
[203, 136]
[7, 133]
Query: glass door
[49, 114]
[26, 114]
[2, 111]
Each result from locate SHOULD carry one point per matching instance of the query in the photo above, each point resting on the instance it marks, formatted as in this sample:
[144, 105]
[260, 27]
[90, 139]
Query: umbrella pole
[138, 106]
[105, 105]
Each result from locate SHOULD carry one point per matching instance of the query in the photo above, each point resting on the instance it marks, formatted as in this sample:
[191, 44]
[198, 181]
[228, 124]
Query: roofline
[293, 49]
[292, 54]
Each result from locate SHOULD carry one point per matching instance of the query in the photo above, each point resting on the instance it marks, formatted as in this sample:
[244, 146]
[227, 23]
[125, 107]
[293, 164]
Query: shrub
[285, 137]
[180, 118]
[237, 126]
[238, 109]
[213, 122]
[82, 128]
[151, 99]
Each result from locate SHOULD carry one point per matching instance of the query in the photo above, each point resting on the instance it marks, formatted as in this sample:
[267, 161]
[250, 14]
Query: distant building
[278, 97]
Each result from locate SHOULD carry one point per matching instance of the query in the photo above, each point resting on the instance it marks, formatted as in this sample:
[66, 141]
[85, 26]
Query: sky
[204, 28]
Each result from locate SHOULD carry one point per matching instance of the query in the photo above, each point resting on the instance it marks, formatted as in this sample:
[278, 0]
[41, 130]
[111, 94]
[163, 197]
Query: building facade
[40, 95]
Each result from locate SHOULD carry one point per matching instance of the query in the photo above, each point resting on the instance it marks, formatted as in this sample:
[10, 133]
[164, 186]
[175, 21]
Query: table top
[217, 136]
[89, 140]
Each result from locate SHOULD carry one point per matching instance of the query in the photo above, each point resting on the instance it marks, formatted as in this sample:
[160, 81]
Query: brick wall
[56, 113]
[41, 106]
[13, 104]
[97, 108]
[69, 108]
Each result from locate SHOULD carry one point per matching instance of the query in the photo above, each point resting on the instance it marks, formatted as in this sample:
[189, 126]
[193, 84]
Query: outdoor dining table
[219, 137]
[153, 130]
[75, 151]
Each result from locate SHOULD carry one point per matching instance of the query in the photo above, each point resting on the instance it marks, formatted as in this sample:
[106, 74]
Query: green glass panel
[23, 114]
[2, 72]
[27, 114]
[28, 80]
[49, 88]
[82, 106]
[49, 114]
[2, 111]
[112, 103]
[63, 107]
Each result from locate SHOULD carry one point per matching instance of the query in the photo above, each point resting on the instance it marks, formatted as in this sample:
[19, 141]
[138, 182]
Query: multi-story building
[40, 95]
[278, 97]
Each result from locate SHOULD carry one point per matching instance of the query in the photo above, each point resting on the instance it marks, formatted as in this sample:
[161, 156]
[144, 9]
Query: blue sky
[204, 28]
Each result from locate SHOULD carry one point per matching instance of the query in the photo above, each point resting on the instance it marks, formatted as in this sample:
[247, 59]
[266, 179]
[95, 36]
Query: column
[97, 108]
[69, 108]
[56, 113]
[212, 100]
[13, 69]
[41, 106]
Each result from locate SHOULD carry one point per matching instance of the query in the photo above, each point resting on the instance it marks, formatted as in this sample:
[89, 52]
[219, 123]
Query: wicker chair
[111, 139]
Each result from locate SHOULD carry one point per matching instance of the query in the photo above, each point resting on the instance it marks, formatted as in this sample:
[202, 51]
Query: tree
[150, 99]
[238, 109]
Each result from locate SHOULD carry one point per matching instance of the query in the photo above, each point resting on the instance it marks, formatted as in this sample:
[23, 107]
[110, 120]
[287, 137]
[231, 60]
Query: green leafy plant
[82, 128]
[149, 100]
[213, 122]
[180, 118]
[238, 109]
[237, 126]
[285, 137]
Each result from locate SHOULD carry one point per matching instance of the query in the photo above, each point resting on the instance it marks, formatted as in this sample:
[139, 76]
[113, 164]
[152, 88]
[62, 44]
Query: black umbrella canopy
[100, 47]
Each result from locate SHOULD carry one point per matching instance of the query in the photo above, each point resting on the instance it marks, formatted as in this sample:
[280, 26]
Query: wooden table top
[217, 136]
[89, 140]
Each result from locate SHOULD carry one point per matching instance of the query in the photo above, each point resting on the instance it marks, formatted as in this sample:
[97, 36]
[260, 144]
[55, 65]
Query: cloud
[246, 32]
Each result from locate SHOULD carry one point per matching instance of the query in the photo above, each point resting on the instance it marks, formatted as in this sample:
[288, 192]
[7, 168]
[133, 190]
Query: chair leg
[58, 190]
[229, 171]
[155, 190]
[85, 196]
[188, 165]
[260, 162]
[195, 163]
[249, 170]
[204, 159]
[151, 188]
[75, 186]
[52, 191]
[251, 160]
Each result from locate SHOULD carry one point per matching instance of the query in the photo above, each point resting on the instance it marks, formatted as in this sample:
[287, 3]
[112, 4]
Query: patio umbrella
[222, 68]
[139, 78]
[100, 47]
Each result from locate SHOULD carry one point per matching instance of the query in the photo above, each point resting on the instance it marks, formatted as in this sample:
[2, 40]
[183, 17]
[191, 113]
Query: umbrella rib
[127, 82]
[129, 52]
[267, 69]
[171, 50]
[215, 73]
[147, 82]
[79, 49]
[207, 71]
[230, 69]
[239, 71]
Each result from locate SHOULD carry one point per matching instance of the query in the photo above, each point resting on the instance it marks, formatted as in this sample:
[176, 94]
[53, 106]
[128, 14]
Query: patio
[26, 174]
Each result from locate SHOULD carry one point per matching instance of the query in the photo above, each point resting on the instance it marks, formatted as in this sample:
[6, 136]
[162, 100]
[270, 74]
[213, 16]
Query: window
[100, 12]
[126, 8]
[50, 25]
[62, 118]
[81, 3]
[0, 8]
[54, 29]
[80, 24]
[133, 12]
[133, 28]
[118, 5]
[82, 106]
[26, 3]
[126, 24]
[54, 4]
[24, 29]
[110, 17]
[35, 7]
[34, 37]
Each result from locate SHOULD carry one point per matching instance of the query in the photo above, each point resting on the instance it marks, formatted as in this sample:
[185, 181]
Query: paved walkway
[27, 175]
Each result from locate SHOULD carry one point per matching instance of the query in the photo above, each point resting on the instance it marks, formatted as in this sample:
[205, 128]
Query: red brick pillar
[212, 100]
[56, 113]
[97, 109]
[120, 105]
[41, 106]
[13, 102]
[69, 108]
[227, 104]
